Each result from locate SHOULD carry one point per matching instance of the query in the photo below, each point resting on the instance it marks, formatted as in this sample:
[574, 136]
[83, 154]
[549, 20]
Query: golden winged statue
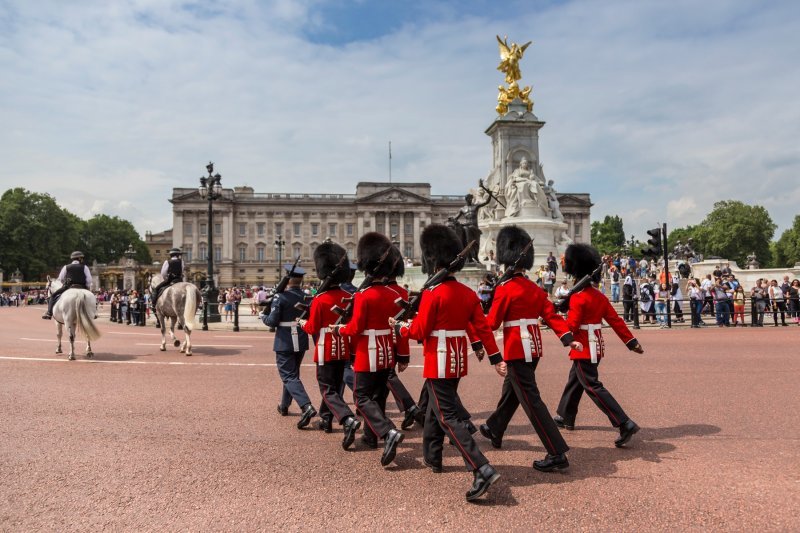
[509, 64]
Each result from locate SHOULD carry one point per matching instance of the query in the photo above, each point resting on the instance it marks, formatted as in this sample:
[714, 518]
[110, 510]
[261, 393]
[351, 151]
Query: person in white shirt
[777, 302]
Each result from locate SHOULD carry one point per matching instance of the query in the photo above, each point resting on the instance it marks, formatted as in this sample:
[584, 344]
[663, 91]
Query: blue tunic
[283, 310]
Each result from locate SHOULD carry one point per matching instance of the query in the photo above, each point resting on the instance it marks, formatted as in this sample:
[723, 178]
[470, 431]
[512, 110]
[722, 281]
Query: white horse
[178, 302]
[75, 307]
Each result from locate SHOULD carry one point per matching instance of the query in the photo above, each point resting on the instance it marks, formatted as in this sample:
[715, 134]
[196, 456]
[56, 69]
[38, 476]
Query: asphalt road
[138, 439]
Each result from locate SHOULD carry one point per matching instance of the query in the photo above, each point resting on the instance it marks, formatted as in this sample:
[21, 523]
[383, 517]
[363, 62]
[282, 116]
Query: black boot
[410, 417]
[393, 438]
[626, 431]
[484, 477]
[324, 424]
[560, 422]
[351, 425]
[283, 411]
[486, 431]
[552, 462]
[308, 413]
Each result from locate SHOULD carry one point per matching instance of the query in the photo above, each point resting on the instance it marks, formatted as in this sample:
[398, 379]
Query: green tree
[734, 229]
[36, 235]
[787, 248]
[608, 235]
[105, 239]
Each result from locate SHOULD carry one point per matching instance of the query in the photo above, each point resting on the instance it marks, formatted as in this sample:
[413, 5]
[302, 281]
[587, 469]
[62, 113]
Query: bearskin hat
[398, 264]
[581, 260]
[326, 256]
[440, 245]
[371, 246]
[509, 244]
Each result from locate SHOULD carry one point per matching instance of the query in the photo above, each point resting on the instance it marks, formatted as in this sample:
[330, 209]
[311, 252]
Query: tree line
[732, 230]
[37, 235]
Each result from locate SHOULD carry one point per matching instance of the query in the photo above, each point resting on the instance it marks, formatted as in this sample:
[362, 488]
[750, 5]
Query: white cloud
[647, 105]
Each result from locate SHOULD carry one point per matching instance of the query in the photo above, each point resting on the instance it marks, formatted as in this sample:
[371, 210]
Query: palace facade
[254, 233]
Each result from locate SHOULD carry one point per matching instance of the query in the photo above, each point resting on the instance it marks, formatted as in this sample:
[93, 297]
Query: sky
[657, 109]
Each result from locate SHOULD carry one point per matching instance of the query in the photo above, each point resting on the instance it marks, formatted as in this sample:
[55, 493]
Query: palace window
[393, 229]
[297, 227]
[217, 229]
[278, 230]
[296, 249]
[260, 229]
[218, 253]
[260, 254]
[408, 228]
[314, 229]
[332, 229]
[203, 229]
[203, 252]
[187, 228]
[242, 230]
[242, 253]
[349, 229]
[409, 250]
[187, 253]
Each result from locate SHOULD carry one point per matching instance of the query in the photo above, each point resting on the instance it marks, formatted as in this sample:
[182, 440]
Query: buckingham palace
[254, 233]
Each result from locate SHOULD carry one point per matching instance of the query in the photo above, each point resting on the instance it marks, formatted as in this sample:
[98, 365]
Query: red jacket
[401, 345]
[518, 303]
[320, 317]
[448, 314]
[369, 328]
[587, 310]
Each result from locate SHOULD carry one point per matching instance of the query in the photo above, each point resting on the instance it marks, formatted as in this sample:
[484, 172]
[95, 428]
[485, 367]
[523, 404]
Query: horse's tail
[190, 307]
[86, 317]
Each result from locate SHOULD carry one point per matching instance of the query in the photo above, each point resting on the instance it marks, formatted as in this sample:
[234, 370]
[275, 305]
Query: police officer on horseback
[75, 275]
[171, 273]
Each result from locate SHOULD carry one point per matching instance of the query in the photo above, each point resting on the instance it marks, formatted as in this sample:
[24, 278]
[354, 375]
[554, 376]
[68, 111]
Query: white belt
[592, 328]
[441, 348]
[372, 346]
[525, 335]
[295, 336]
[321, 346]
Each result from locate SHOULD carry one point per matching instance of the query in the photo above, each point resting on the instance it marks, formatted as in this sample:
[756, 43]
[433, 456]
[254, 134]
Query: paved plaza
[143, 440]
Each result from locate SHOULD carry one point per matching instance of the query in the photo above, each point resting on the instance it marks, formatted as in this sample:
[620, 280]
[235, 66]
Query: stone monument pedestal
[549, 235]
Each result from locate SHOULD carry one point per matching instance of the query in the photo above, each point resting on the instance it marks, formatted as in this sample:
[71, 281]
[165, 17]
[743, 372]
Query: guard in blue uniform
[291, 343]
[75, 275]
[171, 273]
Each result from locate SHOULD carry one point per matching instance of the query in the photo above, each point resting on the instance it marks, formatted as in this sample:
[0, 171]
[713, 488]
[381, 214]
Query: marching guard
[374, 351]
[332, 351]
[587, 310]
[516, 306]
[402, 397]
[448, 313]
[290, 345]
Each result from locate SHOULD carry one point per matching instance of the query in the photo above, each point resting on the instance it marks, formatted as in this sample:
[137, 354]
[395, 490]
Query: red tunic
[369, 328]
[518, 303]
[587, 310]
[448, 313]
[401, 345]
[320, 317]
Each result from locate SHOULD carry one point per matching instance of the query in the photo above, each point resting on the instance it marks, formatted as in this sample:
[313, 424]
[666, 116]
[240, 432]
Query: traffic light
[655, 249]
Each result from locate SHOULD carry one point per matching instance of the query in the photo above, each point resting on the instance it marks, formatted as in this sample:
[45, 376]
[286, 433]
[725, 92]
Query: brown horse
[179, 303]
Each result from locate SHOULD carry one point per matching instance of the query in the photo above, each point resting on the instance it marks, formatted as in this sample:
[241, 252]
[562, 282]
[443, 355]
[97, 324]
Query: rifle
[487, 305]
[409, 309]
[347, 313]
[282, 284]
[562, 305]
[326, 282]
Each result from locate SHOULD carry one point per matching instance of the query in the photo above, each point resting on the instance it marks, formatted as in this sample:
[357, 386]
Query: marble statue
[552, 199]
[524, 188]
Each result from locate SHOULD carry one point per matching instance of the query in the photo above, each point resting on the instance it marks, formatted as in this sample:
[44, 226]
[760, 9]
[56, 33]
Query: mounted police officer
[291, 343]
[171, 273]
[75, 275]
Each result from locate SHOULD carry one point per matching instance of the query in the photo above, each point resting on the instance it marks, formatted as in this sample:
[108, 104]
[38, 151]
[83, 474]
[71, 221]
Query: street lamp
[210, 189]
[279, 244]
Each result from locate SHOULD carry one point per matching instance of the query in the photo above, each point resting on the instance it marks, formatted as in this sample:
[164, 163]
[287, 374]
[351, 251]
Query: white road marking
[202, 345]
[45, 340]
[133, 333]
[261, 338]
[182, 363]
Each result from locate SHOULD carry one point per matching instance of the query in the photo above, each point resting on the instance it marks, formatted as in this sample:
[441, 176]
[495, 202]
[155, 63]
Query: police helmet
[175, 251]
[76, 255]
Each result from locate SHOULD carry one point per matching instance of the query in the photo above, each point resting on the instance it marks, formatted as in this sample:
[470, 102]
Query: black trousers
[627, 309]
[519, 387]
[401, 395]
[583, 376]
[779, 306]
[443, 417]
[463, 414]
[330, 377]
[370, 391]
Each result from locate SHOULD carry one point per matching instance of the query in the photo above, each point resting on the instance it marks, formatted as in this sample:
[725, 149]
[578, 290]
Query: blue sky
[657, 109]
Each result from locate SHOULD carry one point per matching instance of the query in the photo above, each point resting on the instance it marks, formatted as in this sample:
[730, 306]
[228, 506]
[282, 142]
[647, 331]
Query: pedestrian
[777, 302]
[646, 296]
[760, 298]
[331, 350]
[448, 313]
[662, 299]
[518, 306]
[738, 306]
[614, 276]
[721, 306]
[628, 302]
[587, 310]
[696, 300]
[290, 346]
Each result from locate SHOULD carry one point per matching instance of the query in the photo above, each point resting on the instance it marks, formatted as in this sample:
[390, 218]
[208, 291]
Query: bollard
[669, 311]
[236, 316]
[636, 313]
[205, 311]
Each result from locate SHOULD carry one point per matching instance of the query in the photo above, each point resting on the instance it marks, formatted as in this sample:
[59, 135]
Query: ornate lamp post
[210, 189]
[279, 244]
